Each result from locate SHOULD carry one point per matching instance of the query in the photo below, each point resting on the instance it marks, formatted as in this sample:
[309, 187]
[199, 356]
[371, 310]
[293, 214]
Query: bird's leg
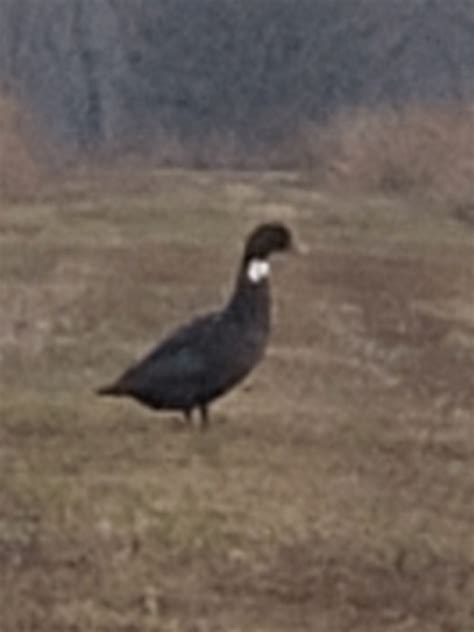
[204, 416]
[188, 415]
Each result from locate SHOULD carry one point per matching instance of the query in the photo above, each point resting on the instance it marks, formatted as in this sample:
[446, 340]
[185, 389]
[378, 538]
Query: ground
[334, 490]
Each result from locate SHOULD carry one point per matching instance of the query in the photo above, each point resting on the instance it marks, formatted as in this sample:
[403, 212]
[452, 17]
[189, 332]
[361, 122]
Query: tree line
[120, 73]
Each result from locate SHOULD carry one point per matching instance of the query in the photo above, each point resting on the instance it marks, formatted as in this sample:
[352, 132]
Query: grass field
[334, 490]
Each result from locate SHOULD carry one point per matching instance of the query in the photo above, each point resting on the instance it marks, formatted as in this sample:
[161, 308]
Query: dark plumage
[204, 359]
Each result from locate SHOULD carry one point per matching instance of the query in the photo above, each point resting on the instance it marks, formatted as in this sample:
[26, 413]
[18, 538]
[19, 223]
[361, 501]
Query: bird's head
[267, 239]
[262, 242]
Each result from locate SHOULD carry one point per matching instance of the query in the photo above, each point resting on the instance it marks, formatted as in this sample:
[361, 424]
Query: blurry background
[163, 76]
[376, 93]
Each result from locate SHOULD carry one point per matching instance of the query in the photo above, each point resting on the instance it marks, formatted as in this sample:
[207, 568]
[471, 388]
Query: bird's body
[204, 359]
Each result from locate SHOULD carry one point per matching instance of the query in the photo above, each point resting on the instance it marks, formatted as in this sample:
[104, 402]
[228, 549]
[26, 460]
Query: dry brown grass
[20, 171]
[418, 150]
[422, 150]
[333, 492]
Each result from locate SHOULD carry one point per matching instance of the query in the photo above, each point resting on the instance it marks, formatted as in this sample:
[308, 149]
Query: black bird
[204, 359]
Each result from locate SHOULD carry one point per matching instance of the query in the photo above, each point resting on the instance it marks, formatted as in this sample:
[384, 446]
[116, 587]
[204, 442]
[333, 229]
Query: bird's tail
[112, 390]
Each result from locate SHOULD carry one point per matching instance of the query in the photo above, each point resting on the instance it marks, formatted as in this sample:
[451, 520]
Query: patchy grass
[334, 489]
[416, 150]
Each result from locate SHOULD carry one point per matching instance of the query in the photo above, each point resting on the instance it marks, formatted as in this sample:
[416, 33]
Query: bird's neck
[251, 298]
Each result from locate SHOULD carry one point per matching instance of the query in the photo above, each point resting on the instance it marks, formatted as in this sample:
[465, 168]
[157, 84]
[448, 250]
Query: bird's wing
[181, 356]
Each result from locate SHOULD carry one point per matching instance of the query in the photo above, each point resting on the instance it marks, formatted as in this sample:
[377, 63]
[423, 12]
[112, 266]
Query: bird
[203, 360]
